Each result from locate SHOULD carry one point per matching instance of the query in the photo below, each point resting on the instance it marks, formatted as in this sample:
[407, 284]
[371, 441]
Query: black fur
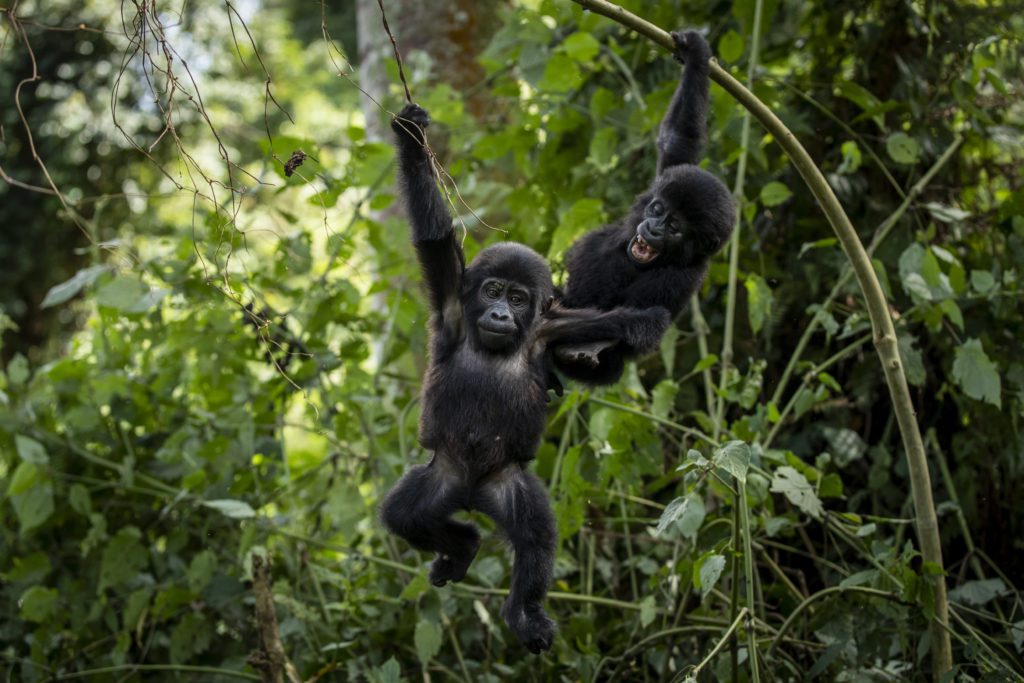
[687, 215]
[484, 395]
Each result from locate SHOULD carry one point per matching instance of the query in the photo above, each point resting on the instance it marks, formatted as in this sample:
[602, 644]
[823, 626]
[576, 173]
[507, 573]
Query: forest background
[206, 360]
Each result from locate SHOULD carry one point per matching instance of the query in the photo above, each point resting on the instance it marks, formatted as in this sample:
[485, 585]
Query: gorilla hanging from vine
[655, 258]
[485, 394]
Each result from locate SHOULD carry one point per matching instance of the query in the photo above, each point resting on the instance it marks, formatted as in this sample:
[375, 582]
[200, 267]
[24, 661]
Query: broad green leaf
[38, 603]
[976, 374]
[663, 397]
[759, 301]
[846, 444]
[902, 148]
[31, 494]
[122, 293]
[428, 640]
[201, 570]
[978, 593]
[648, 611]
[31, 450]
[388, 672]
[982, 281]
[707, 572]
[688, 511]
[80, 500]
[730, 46]
[561, 75]
[190, 637]
[733, 457]
[123, 558]
[58, 294]
[798, 490]
[415, 588]
[860, 578]
[774, 193]
[236, 509]
[586, 214]
[913, 364]
[582, 47]
[945, 213]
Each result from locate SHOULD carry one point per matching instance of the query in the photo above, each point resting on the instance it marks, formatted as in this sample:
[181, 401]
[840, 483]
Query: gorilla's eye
[492, 290]
[656, 208]
[517, 299]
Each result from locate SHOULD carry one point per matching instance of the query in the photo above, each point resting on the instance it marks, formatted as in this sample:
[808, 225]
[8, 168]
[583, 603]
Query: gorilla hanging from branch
[485, 393]
[656, 257]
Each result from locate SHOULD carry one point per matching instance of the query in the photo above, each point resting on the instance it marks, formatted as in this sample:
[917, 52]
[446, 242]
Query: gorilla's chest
[484, 406]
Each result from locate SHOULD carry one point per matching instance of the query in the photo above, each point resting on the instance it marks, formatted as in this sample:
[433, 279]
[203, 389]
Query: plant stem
[877, 307]
[717, 648]
[734, 243]
[748, 574]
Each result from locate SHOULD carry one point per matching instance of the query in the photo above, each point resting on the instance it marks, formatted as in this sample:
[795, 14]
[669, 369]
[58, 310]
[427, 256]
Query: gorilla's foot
[531, 625]
[452, 567]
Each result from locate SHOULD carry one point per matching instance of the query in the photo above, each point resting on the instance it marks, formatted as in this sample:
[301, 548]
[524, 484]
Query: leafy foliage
[244, 372]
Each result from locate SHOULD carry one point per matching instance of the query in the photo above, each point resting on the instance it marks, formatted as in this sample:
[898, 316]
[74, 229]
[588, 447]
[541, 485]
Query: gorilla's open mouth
[640, 251]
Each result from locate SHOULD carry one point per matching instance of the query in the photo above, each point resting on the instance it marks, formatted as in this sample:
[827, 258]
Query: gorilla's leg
[517, 501]
[418, 510]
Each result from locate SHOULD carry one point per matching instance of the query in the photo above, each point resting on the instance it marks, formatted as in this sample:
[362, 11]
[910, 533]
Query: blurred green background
[203, 359]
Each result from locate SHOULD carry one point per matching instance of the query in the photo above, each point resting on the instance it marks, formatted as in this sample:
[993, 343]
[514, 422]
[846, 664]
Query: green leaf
[31, 450]
[851, 158]
[582, 47]
[945, 213]
[910, 356]
[774, 193]
[733, 457]
[759, 301]
[798, 490]
[123, 558]
[663, 397]
[561, 74]
[427, 640]
[235, 509]
[707, 571]
[190, 637]
[201, 570]
[38, 603]
[982, 281]
[415, 588]
[976, 374]
[978, 593]
[31, 493]
[121, 293]
[648, 611]
[80, 500]
[58, 294]
[688, 511]
[584, 215]
[902, 148]
[730, 46]
[388, 672]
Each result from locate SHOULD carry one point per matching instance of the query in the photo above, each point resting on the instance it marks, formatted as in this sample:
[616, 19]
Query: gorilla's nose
[500, 316]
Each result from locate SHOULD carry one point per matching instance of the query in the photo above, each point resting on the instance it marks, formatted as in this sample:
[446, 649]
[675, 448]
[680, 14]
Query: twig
[270, 659]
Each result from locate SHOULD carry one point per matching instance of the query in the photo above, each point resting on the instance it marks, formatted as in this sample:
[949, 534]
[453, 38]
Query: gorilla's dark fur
[656, 257]
[484, 395]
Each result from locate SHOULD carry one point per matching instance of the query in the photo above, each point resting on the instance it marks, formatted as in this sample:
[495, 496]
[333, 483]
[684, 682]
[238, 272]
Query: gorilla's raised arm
[681, 136]
[639, 328]
[439, 253]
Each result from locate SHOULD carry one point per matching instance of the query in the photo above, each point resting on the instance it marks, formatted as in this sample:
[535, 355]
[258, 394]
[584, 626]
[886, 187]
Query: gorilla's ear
[709, 243]
[545, 306]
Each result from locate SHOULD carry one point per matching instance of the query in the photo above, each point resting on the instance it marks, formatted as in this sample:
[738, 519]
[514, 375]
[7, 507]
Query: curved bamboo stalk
[884, 333]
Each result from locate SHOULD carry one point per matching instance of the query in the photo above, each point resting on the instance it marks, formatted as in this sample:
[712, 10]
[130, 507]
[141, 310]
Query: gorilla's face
[502, 310]
[660, 232]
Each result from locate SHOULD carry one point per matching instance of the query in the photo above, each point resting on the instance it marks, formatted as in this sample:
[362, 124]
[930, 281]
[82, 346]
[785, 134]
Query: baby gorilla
[656, 257]
[484, 395]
